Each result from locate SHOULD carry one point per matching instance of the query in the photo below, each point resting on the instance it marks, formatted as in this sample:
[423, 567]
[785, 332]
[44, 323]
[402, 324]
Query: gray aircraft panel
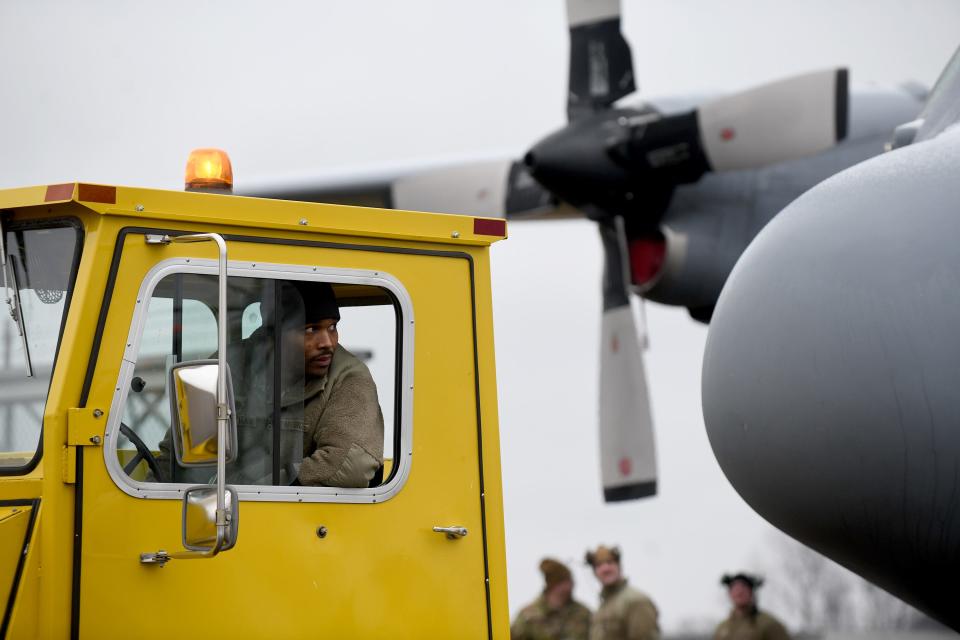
[831, 372]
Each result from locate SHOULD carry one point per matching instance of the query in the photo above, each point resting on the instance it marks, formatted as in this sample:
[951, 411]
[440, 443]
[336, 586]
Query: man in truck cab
[331, 425]
[343, 424]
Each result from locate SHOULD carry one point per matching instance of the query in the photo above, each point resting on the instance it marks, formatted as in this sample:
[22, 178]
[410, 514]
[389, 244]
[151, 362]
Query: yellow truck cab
[106, 531]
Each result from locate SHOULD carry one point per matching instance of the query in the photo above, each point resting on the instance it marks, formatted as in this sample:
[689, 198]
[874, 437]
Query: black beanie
[319, 301]
[311, 301]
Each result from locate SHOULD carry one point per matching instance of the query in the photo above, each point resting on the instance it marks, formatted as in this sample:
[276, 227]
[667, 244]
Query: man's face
[741, 594]
[559, 594]
[607, 572]
[319, 342]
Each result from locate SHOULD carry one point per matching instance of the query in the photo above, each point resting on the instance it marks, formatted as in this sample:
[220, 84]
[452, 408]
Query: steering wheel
[143, 453]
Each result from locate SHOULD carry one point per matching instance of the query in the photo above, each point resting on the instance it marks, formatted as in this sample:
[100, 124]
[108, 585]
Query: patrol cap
[603, 554]
[554, 572]
[752, 581]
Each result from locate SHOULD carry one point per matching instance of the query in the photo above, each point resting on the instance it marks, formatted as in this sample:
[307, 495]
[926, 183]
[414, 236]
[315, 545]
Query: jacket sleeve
[348, 437]
[642, 622]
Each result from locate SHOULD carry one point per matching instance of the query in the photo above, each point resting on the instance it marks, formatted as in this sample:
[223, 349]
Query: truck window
[328, 383]
[39, 276]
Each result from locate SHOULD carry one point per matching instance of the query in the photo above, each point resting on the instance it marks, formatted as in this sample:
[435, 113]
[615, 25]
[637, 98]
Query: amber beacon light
[209, 170]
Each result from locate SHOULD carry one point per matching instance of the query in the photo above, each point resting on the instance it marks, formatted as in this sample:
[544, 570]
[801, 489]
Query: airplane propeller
[619, 166]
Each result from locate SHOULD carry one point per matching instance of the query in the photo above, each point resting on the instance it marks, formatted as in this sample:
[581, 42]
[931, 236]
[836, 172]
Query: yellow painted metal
[218, 210]
[13, 531]
[326, 587]
[85, 427]
[380, 570]
[24, 618]
[57, 533]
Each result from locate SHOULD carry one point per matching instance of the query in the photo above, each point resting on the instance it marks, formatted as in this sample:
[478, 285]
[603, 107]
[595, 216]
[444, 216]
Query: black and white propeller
[618, 166]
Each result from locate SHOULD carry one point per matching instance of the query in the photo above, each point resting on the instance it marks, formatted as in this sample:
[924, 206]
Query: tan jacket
[758, 626]
[537, 621]
[624, 614]
[343, 426]
[331, 431]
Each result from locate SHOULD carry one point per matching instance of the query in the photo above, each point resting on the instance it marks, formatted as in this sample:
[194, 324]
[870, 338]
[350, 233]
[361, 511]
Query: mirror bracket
[161, 557]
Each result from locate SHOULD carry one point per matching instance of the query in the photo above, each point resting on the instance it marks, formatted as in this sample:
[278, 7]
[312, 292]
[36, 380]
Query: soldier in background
[555, 615]
[746, 621]
[624, 613]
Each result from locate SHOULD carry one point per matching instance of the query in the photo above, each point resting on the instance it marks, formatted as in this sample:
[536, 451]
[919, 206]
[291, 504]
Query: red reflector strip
[483, 227]
[97, 193]
[58, 192]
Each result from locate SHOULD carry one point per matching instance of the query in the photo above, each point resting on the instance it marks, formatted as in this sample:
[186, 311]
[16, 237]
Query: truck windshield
[40, 266]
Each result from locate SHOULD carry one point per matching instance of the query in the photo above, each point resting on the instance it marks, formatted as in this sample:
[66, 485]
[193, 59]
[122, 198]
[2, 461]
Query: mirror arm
[222, 521]
[222, 416]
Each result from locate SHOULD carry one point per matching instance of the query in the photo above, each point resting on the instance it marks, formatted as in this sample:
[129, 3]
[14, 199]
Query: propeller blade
[492, 188]
[601, 66]
[478, 188]
[628, 462]
[500, 188]
[779, 121]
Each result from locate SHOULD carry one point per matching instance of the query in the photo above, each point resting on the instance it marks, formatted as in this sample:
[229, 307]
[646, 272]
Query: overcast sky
[119, 92]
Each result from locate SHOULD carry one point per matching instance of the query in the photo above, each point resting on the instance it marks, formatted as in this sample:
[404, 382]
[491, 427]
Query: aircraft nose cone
[831, 377]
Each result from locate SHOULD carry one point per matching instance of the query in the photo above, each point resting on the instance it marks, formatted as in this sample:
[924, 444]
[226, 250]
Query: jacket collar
[613, 589]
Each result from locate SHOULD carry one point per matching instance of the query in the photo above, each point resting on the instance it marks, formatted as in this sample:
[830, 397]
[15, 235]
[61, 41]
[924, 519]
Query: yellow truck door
[309, 561]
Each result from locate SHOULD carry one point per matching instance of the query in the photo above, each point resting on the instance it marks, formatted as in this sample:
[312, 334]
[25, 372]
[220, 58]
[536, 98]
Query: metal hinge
[85, 427]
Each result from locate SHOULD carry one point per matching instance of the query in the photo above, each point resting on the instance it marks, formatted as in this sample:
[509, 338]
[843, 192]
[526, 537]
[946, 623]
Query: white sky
[119, 92]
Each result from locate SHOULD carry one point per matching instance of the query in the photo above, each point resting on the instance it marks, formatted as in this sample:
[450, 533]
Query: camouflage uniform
[537, 621]
[624, 614]
[752, 626]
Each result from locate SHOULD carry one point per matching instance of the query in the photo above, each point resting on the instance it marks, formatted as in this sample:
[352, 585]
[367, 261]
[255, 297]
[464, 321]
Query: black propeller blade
[601, 66]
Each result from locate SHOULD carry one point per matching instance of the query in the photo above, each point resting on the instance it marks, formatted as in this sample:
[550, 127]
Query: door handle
[453, 533]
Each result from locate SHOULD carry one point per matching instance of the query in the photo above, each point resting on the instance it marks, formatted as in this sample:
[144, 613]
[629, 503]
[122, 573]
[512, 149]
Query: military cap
[752, 581]
[603, 554]
[554, 572]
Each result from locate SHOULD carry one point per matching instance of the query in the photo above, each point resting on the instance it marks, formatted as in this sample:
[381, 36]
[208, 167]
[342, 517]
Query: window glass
[147, 410]
[251, 320]
[39, 267]
[362, 332]
[317, 359]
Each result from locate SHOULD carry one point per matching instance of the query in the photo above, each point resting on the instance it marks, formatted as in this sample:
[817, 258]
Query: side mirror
[200, 529]
[193, 412]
